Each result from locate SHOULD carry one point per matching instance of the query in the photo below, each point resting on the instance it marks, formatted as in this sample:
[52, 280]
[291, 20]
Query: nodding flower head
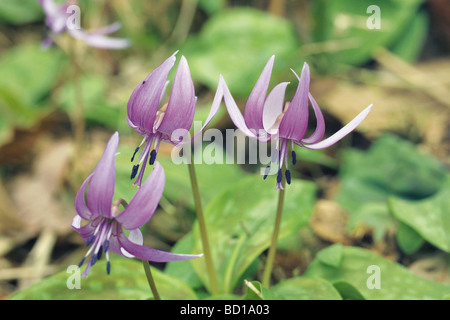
[268, 117]
[171, 121]
[105, 223]
[57, 18]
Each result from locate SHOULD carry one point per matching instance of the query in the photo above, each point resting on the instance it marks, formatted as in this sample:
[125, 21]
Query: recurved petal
[99, 40]
[253, 113]
[320, 127]
[214, 108]
[146, 97]
[108, 29]
[181, 105]
[233, 110]
[295, 120]
[101, 188]
[80, 202]
[341, 133]
[85, 231]
[151, 254]
[144, 203]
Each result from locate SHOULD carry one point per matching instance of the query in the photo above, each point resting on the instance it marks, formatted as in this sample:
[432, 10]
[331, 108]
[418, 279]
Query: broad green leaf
[96, 107]
[303, 288]
[331, 257]
[408, 239]
[18, 12]
[348, 26]
[256, 291]
[409, 45]
[428, 217]
[237, 43]
[240, 224]
[28, 75]
[392, 166]
[184, 270]
[364, 274]
[127, 281]
[27, 68]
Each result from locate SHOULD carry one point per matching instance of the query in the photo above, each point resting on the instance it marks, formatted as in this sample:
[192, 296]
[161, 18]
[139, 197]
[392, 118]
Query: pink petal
[295, 121]
[233, 110]
[320, 127]
[150, 254]
[273, 107]
[146, 97]
[80, 203]
[181, 106]
[144, 203]
[101, 188]
[98, 40]
[253, 113]
[341, 133]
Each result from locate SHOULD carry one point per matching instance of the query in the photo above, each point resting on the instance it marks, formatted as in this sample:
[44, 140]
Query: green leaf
[240, 225]
[183, 270]
[17, 12]
[428, 217]
[345, 24]
[303, 288]
[409, 45]
[256, 291]
[360, 269]
[237, 43]
[96, 107]
[28, 75]
[408, 239]
[127, 281]
[331, 257]
[391, 167]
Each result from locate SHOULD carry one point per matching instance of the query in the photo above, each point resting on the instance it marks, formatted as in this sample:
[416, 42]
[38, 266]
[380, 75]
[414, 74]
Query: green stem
[273, 245]
[202, 226]
[150, 279]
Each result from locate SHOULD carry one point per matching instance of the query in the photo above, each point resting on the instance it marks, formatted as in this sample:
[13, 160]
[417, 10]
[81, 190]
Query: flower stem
[202, 226]
[273, 245]
[150, 280]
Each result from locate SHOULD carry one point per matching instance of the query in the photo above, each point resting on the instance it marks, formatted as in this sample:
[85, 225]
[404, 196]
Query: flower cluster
[57, 17]
[267, 117]
[104, 230]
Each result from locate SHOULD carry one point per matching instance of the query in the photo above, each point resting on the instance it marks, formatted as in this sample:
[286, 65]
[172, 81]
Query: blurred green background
[383, 189]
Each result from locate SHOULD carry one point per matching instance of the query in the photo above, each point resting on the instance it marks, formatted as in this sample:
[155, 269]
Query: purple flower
[56, 18]
[169, 123]
[104, 231]
[267, 117]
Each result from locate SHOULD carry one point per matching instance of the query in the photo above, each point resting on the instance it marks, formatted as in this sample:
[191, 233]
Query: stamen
[288, 176]
[134, 171]
[108, 267]
[134, 154]
[100, 251]
[266, 173]
[93, 259]
[89, 241]
[152, 157]
[106, 246]
[294, 157]
[81, 262]
[279, 176]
